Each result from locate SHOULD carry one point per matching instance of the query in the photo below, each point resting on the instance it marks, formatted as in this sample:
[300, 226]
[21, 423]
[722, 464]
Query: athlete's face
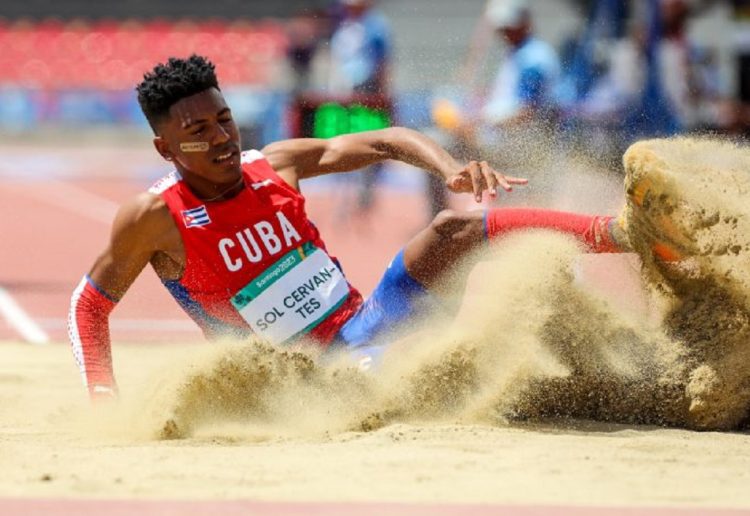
[202, 139]
[355, 9]
[515, 35]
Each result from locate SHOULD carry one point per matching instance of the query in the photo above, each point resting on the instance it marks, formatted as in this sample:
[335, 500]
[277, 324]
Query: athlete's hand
[102, 394]
[477, 177]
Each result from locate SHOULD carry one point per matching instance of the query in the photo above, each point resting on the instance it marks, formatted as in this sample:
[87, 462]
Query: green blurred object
[333, 119]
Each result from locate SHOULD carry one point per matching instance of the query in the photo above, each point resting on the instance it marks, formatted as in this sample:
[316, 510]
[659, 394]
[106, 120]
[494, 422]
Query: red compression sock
[593, 231]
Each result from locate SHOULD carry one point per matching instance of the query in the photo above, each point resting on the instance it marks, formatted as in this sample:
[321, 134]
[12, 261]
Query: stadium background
[421, 61]
[73, 145]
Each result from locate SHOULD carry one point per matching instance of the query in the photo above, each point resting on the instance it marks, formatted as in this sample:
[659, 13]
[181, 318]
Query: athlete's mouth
[221, 158]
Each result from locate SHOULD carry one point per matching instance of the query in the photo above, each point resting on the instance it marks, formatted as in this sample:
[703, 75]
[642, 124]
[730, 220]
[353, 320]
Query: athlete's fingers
[476, 179]
[491, 178]
[504, 182]
[459, 183]
[516, 180]
[507, 181]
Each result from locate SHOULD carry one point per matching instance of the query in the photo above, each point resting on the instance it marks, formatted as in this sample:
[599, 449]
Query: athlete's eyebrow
[186, 125]
[190, 123]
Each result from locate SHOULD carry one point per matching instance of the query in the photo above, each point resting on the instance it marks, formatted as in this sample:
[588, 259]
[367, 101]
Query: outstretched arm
[131, 246]
[308, 157]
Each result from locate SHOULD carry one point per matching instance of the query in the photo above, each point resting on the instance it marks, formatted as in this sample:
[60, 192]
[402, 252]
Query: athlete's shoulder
[146, 213]
[140, 229]
[165, 183]
[274, 161]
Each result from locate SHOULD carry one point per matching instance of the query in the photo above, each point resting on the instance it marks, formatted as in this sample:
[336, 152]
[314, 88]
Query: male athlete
[228, 235]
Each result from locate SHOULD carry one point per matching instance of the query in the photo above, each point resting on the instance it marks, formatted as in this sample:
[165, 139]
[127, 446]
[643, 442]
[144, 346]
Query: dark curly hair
[171, 82]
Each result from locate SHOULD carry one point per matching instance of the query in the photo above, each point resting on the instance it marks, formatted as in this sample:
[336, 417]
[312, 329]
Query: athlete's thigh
[397, 300]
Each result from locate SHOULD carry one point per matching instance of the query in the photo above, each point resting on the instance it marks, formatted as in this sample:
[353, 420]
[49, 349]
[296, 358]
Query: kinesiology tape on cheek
[194, 147]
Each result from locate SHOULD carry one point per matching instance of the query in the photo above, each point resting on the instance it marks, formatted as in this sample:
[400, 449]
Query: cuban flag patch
[196, 217]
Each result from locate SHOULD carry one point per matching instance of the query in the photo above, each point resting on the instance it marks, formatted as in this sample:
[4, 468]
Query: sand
[691, 194]
[452, 420]
[43, 455]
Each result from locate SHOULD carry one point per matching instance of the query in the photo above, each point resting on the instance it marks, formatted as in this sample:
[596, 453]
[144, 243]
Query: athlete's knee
[460, 225]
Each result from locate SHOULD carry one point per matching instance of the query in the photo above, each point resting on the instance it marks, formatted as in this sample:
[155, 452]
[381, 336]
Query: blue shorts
[397, 300]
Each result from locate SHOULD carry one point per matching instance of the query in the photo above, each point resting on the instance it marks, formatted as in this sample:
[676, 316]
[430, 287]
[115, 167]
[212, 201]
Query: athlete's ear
[162, 147]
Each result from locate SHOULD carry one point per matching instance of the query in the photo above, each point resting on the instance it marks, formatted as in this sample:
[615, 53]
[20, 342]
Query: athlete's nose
[221, 135]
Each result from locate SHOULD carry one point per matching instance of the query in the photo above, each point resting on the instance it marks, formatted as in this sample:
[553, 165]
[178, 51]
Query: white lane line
[20, 320]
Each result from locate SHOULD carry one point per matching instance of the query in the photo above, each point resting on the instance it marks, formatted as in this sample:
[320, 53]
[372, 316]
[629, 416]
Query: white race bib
[293, 296]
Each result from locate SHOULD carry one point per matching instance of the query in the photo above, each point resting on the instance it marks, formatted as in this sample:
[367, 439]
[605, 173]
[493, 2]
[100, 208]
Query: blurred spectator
[679, 64]
[526, 84]
[585, 56]
[361, 50]
[305, 33]
[742, 38]
[522, 103]
[660, 81]
[739, 112]
[360, 63]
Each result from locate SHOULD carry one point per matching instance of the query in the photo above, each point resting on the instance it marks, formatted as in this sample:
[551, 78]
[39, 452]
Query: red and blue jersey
[255, 263]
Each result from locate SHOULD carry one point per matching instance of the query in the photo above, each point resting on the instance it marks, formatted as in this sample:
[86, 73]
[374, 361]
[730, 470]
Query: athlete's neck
[227, 194]
[212, 192]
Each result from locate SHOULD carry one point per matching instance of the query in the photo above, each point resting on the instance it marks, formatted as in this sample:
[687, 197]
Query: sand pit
[531, 396]
[44, 452]
[462, 420]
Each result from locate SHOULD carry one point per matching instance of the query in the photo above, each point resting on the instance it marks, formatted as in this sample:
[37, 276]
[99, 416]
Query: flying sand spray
[532, 343]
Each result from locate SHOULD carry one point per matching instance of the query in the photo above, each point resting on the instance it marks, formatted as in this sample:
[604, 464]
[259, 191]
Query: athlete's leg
[396, 298]
[403, 295]
[452, 235]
